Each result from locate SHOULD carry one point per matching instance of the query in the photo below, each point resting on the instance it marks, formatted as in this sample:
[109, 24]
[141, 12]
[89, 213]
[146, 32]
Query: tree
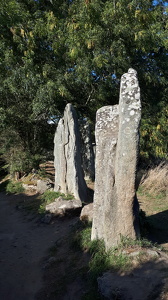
[76, 52]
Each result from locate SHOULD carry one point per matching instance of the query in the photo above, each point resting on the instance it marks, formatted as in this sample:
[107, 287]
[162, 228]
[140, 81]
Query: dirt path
[24, 242]
[29, 271]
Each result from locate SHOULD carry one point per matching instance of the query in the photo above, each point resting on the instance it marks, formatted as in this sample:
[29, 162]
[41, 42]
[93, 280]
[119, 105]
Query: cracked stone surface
[69, 177]
[117, 140]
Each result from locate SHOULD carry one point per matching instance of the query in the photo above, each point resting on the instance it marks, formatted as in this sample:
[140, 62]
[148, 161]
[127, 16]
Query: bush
[14, 188]
[15, 155]
[154, 132]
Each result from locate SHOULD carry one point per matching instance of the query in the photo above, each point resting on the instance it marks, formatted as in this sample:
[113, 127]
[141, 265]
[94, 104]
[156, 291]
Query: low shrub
[14, 187]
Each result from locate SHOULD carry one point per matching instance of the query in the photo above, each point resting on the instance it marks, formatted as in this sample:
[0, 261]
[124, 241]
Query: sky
[155, 2]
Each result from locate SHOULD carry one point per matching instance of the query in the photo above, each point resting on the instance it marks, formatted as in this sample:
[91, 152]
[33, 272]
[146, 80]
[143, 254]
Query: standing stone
[127, 153]
[117, 137]
[69, 176]
[87, 151]
[106, 133]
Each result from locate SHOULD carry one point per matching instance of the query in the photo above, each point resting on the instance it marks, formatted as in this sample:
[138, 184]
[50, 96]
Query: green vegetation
[114, 259]
[49, 197]
[14, 188]
[154, 190]
[56, 52]
[152, 195]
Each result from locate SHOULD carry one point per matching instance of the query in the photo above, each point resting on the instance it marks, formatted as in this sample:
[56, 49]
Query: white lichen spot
[135, 105]
[114, 141]
[132, 112]
[123, 154]
[137, 96]
[127, 119]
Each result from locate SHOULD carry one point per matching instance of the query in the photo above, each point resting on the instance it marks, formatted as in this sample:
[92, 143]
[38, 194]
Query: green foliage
[49, 197]
[101, 260]
[114, 259]
[14, 188]
[76, 51]
[15, 154]
[82, 238]
[154, 131]
[42, 173]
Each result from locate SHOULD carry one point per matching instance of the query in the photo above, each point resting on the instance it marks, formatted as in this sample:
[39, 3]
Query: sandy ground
[24, 243]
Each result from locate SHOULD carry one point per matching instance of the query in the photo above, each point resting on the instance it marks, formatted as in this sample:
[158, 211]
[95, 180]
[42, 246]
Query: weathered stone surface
[143, 283]
[106, 140]
[69, 177]
[127, 153]
[87, 213]
[117, 137]
[43, 185]
[87, 150]
[29, 187]
[61, 206]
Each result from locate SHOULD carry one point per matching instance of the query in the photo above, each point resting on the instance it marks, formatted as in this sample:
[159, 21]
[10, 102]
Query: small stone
[61, 206]
[46, 219]
[152, 253]
[87, 213]
[43, 185]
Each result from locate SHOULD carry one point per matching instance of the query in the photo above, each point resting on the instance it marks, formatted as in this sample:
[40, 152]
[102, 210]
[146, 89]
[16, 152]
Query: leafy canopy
[55, 52]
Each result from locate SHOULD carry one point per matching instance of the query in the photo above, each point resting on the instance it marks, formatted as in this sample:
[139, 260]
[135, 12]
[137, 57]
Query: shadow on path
[24, 242]
[158, 227]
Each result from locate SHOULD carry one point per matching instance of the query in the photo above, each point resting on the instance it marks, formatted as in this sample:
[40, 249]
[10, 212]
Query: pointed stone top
[132, 71]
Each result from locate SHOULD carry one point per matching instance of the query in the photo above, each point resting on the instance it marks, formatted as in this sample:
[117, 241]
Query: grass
[115, 259]
[155, 181]
[14, 188]
[153, 198]
[36, 205]
[152, 193]
[153, 190]
[154, 202]
[49, 197]
[141, 242]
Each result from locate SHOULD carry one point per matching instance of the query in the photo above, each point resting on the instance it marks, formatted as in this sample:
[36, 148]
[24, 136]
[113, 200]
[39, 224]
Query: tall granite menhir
[69, 177]
[117, 139]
